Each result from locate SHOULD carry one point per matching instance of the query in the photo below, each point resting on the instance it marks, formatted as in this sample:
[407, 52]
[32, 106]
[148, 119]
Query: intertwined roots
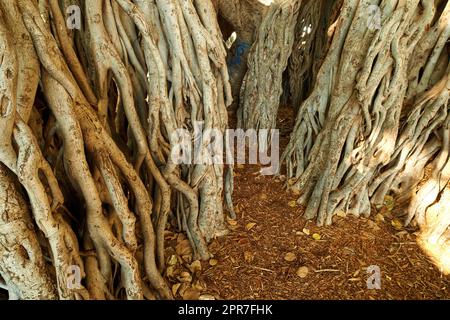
[268, 57]
[87, 122]
[377, 116]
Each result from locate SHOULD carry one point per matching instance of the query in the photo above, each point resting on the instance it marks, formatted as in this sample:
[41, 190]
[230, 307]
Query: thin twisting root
[100, 183]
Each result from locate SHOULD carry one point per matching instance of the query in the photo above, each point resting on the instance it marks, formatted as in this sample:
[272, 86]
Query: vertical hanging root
[267, 60]
[310, 45]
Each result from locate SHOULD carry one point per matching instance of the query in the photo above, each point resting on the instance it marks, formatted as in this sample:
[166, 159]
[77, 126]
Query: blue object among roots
[236, 59]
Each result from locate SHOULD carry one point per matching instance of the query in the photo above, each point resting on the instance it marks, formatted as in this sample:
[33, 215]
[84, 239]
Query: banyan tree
[93, 95]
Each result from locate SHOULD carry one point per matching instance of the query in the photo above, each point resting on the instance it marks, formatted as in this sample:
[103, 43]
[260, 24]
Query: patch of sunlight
[438, 253]
[266, 2]
[307, 30]
[231, 40]
[437, 247]
[430, 197]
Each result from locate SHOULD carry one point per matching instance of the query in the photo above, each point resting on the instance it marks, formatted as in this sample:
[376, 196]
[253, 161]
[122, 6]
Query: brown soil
[251, 263]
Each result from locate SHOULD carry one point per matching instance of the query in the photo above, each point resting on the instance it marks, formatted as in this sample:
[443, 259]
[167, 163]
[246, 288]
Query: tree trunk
[378, 114]
[244, 17]
[95, 158]
[268, 58]
[310, 46]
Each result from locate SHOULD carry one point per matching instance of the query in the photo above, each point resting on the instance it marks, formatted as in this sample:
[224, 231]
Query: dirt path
[250, 263]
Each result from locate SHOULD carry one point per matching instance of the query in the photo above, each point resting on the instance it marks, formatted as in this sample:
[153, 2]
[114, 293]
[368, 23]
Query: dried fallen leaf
[183, 248]
[397, 224]
[175, 288]
[198, 286]
[187, 258]
[191, 294]
[249, 256]
[183, 288]
[379, 218]
[290, 256]
[302, 272]
[170, 271]
[389, 202]
[213, 262]
[214, 246]
[185, 277]
[292, 203]
[373, 225]
[316, 236]
[172, 260]
[263, 196]
[232, 222]
[206, 297]
[195, 266]
[250, 226]
[169, 235]
[255, 237]
[306, 231]
[240, 166]
[341, 213]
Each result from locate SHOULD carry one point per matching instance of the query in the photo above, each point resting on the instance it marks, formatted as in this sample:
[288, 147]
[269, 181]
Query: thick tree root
[116, 91]
[343, 139]
[371, 124]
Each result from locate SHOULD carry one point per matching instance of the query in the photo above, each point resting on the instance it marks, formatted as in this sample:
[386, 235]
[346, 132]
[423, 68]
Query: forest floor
[253, 264]
[271, 252]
